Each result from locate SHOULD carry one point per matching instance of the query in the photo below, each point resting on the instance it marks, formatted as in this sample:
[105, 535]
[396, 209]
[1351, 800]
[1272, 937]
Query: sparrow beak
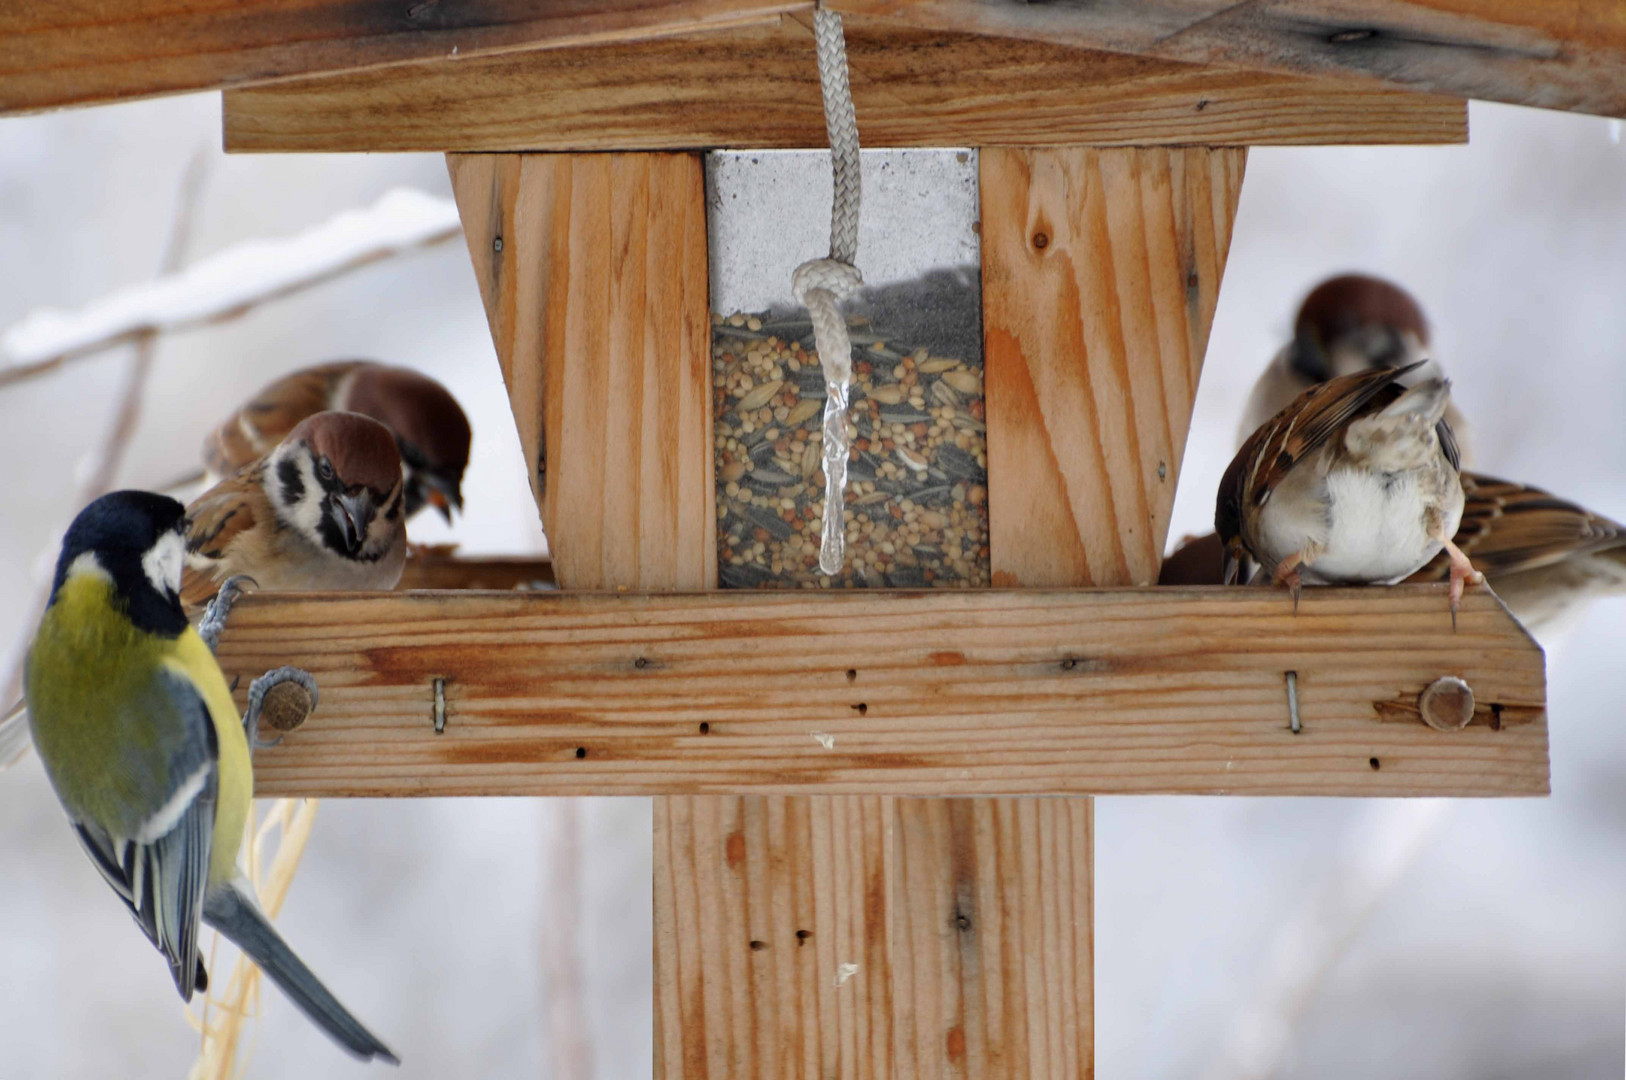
[1231, 566]
[353, 513]
[446, 501]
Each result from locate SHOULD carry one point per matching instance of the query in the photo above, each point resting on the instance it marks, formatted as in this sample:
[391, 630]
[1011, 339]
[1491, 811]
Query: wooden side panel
[593, 273]
[1551, 56]
[1101, 270]
[55, 54]
[757, 86]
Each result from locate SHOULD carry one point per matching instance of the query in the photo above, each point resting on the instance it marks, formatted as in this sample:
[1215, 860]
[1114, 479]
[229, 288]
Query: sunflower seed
[760, 396]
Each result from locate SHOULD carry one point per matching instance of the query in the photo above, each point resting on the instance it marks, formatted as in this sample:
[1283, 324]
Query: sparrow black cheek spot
[293, 485]
[1284, 460]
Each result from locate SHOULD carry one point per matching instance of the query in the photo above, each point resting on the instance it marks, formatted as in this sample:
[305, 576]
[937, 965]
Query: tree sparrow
[1355, 482]
[1347, 324]
[323, 510]
[431, 432]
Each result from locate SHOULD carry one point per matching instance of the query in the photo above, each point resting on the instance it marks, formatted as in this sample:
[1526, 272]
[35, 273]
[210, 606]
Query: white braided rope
[821, 284]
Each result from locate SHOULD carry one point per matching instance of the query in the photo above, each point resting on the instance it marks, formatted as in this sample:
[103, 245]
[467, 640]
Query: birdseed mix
[917, 479]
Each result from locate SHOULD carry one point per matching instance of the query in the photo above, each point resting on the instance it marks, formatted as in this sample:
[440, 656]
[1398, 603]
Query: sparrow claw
[1463, 574]
[289, 713]
[1287, 573]
[213, 622]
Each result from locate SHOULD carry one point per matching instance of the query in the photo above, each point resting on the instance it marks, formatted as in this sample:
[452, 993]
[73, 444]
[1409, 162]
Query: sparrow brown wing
[1293, 435]
[256, 428]
[1508, 528]
[216, 518]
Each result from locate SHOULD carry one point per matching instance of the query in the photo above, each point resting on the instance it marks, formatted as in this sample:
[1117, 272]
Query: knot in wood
[1446, 704]
[286, 705]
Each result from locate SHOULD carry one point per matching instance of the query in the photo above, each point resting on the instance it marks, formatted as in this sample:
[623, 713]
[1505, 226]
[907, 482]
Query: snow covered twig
[229, 282]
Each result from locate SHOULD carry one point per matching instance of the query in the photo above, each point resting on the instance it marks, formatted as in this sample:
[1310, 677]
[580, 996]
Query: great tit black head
[136, 539]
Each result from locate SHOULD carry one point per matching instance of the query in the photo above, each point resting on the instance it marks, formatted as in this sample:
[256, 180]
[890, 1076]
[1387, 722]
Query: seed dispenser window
[916, 510]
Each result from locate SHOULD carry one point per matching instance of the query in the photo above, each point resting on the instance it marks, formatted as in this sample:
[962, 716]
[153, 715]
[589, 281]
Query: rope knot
[835, 277]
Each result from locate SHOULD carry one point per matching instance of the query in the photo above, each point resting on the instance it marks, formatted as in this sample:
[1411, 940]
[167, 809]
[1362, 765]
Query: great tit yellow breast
[106, 722]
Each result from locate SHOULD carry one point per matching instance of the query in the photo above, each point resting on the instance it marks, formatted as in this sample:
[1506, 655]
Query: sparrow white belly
[1373, 529]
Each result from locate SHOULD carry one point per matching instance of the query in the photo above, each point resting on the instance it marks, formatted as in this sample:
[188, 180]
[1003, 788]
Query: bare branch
[230, 283]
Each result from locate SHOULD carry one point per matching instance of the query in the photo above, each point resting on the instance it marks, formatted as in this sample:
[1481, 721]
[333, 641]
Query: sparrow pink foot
[1462, 574]
[1287, 573]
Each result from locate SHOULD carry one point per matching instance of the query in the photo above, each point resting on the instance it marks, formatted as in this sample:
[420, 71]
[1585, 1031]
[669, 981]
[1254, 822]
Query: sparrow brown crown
[361, 450]
[1343, 305]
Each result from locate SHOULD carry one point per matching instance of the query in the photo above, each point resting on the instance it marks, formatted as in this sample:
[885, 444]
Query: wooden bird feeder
[853, 874]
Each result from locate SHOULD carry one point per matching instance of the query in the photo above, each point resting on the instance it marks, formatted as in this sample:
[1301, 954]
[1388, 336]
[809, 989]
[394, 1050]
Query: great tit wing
[161, 870]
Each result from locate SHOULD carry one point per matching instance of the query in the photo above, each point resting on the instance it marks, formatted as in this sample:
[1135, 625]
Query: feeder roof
[1556, 56]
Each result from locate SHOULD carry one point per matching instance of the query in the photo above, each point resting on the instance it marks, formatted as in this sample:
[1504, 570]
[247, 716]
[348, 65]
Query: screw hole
[705, 727]
[1069, 664]
[758, 946]
[861, 708]
[496, 244]
[1041, 241]
[581, 752]
[802, 936]
[962, 921]
[1375, 763]
[852, 675]
[640, 663]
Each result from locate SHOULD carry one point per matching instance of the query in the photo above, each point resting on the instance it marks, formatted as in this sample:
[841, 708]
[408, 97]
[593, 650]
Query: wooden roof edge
[1548, 56]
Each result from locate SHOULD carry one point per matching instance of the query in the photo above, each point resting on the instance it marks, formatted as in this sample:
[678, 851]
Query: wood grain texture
[962, 693]
[108, 50]
[1551, 56]
[998, 928]
[593, 273]
[771, 952]
[873, 937]
[1101, 270]
[758, 86]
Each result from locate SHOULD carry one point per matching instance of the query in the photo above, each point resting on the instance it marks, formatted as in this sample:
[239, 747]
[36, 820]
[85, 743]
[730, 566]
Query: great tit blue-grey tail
[232, 910]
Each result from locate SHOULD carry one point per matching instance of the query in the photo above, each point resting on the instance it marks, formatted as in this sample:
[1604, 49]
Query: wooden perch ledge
[949, 693]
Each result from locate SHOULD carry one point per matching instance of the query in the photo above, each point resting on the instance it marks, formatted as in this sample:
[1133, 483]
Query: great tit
[139, 736]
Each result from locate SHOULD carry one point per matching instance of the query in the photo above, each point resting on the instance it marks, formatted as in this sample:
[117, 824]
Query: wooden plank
[1101, 269]
[1551, 56]
[108, 50]
[593, 273]
[433, 570]
[956, 693]
[758, 87]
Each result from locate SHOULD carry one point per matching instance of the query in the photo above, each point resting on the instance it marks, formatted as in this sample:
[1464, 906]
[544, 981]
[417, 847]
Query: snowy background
[1287, 938]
